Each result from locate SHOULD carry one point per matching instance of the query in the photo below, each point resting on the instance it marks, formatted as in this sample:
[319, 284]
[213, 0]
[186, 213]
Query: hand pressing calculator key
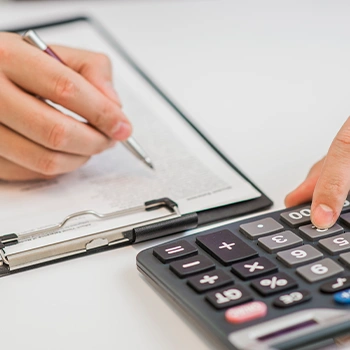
[273, 281]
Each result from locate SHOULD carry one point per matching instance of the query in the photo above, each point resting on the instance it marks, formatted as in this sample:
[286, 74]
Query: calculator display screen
[288, 330]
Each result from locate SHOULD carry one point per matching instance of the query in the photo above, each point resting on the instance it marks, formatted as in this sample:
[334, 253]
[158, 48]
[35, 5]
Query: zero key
[297, 217]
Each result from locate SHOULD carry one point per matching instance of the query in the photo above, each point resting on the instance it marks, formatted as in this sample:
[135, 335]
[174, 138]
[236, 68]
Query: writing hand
[36, 140]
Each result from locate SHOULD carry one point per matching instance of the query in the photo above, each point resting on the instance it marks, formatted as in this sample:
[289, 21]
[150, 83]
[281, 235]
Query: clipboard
[169, 221]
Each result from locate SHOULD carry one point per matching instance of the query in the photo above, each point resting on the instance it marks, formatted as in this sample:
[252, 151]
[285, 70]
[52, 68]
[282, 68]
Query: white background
[267, 80]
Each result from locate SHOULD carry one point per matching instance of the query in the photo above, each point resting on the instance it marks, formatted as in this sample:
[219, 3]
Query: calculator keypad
[260, 267]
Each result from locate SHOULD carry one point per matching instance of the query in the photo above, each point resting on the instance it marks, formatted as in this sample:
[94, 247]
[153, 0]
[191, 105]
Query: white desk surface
[268, 79]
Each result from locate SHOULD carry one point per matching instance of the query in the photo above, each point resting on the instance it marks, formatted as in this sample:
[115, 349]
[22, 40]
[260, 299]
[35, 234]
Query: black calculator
[272, 281]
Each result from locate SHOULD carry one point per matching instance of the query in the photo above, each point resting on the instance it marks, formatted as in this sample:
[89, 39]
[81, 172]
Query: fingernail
[112, 94]
[322, 216]
[121, 131]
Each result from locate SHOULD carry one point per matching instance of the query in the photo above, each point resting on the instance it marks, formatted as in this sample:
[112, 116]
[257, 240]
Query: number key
[297, 217]
[346, 205]
[280, 241]
[319, 270]
[337, 244]
[299, 256]
[313, 233]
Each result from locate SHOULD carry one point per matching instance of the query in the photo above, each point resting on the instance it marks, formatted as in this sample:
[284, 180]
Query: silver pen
[131, 144]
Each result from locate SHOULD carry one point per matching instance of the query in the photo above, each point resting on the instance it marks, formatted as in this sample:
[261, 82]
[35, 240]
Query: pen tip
[148, 163]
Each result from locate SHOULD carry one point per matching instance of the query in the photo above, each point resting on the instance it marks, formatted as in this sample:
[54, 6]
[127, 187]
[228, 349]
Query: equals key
[173, 251]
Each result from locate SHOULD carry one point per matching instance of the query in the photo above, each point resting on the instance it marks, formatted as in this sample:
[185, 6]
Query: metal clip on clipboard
[123, 235]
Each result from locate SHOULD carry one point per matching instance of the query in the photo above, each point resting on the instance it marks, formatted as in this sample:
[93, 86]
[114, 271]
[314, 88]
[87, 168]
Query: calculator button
[346, 205]
[342, 297]
[173, 251]
[229, 296]
[210, 280]
[345, 259]
[246, 312]
[299, 256]
[319, 270]
[336, 285]
[253, 268]
[191, 265]
[260, 228]
[313, 233]
[297, 217]
[274, 283]
[345, 218]
[280, 241]
[226, 247]
[337, 244]
[292, 298]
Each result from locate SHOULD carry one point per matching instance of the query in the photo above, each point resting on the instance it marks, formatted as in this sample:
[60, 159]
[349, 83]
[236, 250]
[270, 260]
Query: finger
[19, 150]
[42, 75]
[334, 182]
[13, 172]
[303, 193]
[46, 126]
[94, 67]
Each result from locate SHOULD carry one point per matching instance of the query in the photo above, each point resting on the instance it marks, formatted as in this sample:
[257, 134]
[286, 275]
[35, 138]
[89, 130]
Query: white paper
[187, 170]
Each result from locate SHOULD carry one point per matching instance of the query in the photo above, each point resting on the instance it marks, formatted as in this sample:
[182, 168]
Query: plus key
[225, 246]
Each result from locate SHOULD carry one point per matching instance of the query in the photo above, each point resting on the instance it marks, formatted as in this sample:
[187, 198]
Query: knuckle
[342, 140]
[4, 54]
[6, 44]
[334, 186]
[49, 164]
[101, 59]
[57, 137]
[105, 116]
[102, 147]
[64, 89]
